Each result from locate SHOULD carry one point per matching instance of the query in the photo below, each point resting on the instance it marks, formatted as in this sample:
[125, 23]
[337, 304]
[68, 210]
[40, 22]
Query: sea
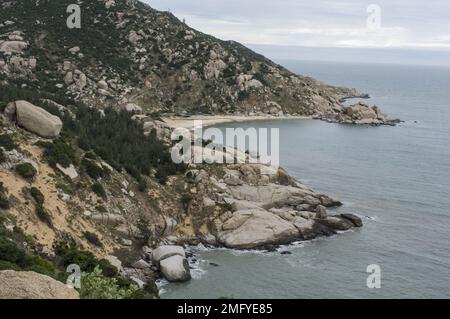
[397, 179]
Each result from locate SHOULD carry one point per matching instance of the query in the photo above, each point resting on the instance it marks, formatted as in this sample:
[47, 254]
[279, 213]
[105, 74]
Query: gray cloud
[319, 23]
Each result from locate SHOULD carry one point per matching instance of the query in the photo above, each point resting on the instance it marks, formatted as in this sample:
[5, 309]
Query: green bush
[98, 189]
[94, 285]
[69, 254]
[93, 239]
[186, 199]
[2, 156]
[26, 170]
[59, 152]
[7, 142]
[108, 270]
[10, 252]
[243, 95]
[16, 258]
[4, 202]
[44, 216]
[37, 195]
[6, 265]
[93, 169]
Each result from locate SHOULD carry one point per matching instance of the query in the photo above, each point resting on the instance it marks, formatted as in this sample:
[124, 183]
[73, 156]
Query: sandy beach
[211, 120]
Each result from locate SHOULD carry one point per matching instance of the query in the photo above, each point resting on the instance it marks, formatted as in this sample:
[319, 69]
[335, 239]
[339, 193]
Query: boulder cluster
[360, 114]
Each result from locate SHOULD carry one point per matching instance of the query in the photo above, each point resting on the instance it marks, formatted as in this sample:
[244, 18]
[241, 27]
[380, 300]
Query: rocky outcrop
[172, 262]
[70, 171]
[255, 228]
[34, 119]
[264, 207]
[175, 269]
[360, 114]
[30, 285]
[9, 47]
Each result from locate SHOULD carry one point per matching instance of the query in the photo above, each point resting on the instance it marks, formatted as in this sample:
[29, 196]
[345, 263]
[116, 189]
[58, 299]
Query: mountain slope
[128, 52]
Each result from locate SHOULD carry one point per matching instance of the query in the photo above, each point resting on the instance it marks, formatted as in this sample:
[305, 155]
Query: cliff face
[125, 52]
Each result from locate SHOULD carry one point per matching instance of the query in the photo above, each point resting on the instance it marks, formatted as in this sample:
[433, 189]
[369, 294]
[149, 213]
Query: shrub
[260, 77]
[58, 152]
[94, 285]
[12, 256]
[186, 200]
[98, 189]
[119, 141]
[4, 201]
[101, 209]
[69, 254]
[243, 95]
[142, 184]
[44, 216]
[6, 265]
[2, 156]
[37, 196]
[93, 239]
[10, 252]
[7, 142]
[92, 169]
[26, 170]
[108, 270]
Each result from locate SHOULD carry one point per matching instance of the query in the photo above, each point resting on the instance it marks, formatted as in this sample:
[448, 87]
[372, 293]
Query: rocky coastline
[358, 114]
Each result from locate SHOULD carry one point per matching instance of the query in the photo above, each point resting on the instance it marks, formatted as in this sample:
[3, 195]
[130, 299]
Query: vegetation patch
[7, 142]
[2, 156]
[59, 152]
[26, 170]
[4, 201]
[120, 141]
[93, 239]
[93, 169]
[98, 189]
[37, 196]
[44, 216]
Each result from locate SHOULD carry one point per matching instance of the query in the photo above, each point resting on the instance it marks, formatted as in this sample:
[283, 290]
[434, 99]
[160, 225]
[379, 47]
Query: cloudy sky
[403, 24]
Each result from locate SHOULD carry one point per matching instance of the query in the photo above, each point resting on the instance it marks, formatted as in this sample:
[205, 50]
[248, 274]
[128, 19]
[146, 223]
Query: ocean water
[396, 178]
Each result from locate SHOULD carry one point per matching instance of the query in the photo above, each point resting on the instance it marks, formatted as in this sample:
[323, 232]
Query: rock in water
[356, 221]
[31, 285]
[172, 262]
[175, 268]
[255, 228]
[37, 120]
[166, 251]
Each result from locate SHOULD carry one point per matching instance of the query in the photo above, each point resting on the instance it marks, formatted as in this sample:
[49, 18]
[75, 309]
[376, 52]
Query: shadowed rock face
[30, 285]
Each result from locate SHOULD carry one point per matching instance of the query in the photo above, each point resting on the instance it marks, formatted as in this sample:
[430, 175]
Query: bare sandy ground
[211, 120]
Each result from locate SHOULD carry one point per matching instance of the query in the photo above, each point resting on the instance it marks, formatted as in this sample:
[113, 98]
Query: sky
[411, 27]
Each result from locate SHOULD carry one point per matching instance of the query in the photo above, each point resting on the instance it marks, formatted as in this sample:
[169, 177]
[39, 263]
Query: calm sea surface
[396, 178]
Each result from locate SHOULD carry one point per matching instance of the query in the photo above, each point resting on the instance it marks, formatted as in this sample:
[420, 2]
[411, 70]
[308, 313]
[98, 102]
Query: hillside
[127, 52]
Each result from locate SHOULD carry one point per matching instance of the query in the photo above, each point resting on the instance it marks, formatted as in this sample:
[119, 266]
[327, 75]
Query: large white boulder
[31, 285]
[36, 120]
[175, 268]
[70, 171]
[249, 229]
[13, 46]
[166, 251]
